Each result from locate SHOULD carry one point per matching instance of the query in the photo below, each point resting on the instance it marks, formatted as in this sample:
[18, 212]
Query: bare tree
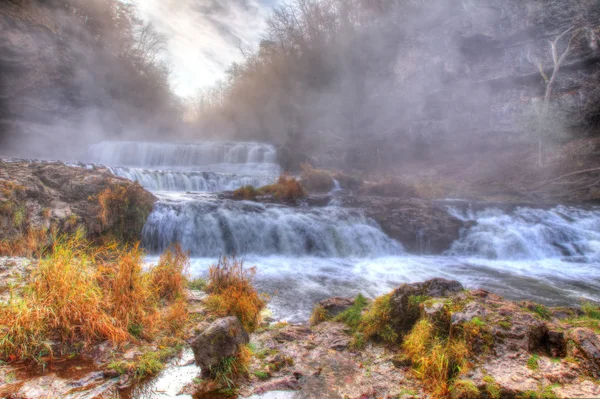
[150, 43]
[558, 61]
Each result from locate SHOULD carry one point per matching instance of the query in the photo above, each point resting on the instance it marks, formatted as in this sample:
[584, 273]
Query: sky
[204, 36]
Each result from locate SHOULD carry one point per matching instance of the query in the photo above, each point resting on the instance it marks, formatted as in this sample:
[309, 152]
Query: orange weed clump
[231, 292]
[169, 276]
[286, 188]
[81, 294]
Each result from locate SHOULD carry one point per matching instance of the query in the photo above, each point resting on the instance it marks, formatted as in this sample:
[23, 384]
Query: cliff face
[477, 66]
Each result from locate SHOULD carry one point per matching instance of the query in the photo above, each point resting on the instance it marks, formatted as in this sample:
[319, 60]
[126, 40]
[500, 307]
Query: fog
[384, 86]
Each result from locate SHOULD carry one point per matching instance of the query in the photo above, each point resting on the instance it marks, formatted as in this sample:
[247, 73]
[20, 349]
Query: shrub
[246, 193]
[198, 284]
[591, 310]
[231, 292]
[169, 276]
[316, 180]
[436, 358]
[81, 294]
[124, 209]
[352, 316]
[464, 389]
[287, 188]
[319, 315]
[375, 323]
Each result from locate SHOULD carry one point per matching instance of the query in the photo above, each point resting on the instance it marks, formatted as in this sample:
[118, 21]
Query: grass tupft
[231, 292]
[80, 295]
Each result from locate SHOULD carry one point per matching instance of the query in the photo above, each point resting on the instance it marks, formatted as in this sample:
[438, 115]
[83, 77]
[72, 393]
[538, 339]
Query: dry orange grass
[81, 294]
[286, 188]
[169, 276]
[231, 292]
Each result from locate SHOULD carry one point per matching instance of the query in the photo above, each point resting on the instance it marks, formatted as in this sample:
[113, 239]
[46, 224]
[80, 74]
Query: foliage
[533, 362]
[375, 322]
[231, 368]
[464, 389]
[81, 294]
[318, 315]
[246, 193]
[198, 284]
[124, 208]
[287, 188]
[591, 310]
[231, 292]
[436, 358]
[352, 316]
[170, 275]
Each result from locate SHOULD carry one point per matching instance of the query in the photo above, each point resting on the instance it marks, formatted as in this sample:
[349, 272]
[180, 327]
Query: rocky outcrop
[40, 198]
[405, 301]
[422, 226]
[336, 305]
[219, 340]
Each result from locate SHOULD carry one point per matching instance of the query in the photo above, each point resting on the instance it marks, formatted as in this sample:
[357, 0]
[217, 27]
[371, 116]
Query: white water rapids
[306, 254]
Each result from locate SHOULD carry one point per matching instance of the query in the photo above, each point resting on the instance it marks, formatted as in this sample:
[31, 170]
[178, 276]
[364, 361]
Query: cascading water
[212, 227]
[308, 253]
[205, 167]
[176, 155]
[530, 234]
[159, 180]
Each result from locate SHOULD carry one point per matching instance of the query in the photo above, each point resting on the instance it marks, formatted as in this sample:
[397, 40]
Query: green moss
[353, 315]
[464, 389]
[533, 362]
[544, 393]
[262, 375]
[478, 322]
[505, 324]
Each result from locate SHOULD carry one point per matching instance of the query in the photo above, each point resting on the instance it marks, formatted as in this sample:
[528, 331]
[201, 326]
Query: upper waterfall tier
[159, 180]
[190, 156]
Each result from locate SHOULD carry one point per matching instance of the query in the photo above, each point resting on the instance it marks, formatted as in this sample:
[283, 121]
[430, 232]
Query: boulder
[587, 346]
[220, 340]
[406, 311]
[336, 305]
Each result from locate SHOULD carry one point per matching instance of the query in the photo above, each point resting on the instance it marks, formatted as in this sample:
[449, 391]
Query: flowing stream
[305, 254]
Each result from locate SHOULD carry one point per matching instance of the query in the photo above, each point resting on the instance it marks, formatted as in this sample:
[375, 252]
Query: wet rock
[58, 197]
[291, 333]
[336, 305]
[219, 340]
[588, 347]
[421, 226]
[405, 308]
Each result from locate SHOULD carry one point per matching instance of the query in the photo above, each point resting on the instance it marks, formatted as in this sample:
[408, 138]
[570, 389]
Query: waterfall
[167, 155]
[530, 234]
[209, 227]
[158, 180]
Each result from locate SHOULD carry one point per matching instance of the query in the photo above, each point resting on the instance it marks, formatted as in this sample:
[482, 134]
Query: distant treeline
[381, 81]
[81, 65]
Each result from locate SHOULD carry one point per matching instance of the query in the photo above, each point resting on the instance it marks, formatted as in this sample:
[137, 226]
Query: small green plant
[262, 375]
[464, 389]
[492, 387]
[505, 324]
[542, 311]
[318, 315]
[353, 315]
[591, 310]
[478, 322]
[544, 393]
[375, 323]
[120, 367]
[197, 284]
[533, 362]
[150, 363]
